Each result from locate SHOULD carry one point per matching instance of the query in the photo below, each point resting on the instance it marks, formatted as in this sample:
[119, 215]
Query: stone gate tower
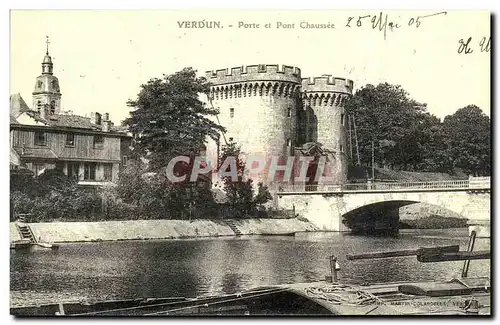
[323, 101]
[258, 107]
[271, 111]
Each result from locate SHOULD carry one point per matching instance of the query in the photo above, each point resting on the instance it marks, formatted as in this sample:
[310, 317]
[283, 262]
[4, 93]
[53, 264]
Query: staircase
[26, 232]
[231, 224]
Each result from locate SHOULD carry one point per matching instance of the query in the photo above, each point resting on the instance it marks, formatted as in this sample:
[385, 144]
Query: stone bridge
[333, 208]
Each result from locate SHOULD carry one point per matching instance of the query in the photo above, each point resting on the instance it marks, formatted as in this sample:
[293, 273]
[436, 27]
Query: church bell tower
[47, 95]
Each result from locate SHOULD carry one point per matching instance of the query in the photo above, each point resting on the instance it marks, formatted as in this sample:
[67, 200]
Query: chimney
[95, 118]
[106, 126]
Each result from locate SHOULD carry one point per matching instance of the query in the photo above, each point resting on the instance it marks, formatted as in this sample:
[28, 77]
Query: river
[168, 268]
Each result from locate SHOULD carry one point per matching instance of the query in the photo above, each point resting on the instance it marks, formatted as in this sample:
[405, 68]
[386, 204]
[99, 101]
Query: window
[289, 112]
[89, 171]
[108, 172]
[124, 159]
[288, 142]
[98, 141]
[39, 84]
[341, 148]
[70, 140]
[342, 119]
[52, 107]
[73, 170]
[38, 169]
[231, 112]
[40, 139]
[39, 106]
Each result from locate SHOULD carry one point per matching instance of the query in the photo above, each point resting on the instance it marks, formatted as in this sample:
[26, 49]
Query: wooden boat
[460, 296]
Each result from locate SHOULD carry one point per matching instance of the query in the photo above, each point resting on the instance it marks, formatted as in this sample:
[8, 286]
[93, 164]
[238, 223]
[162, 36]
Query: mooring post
[333, 268]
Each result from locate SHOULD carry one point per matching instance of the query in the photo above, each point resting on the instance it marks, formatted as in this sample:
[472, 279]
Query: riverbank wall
[68, 232]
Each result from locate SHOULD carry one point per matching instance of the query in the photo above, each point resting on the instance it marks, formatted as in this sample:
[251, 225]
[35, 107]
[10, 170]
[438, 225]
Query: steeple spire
[47, 60]
[48, 42]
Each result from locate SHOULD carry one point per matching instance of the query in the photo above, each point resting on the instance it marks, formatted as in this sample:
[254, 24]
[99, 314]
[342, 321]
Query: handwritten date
[382, 23]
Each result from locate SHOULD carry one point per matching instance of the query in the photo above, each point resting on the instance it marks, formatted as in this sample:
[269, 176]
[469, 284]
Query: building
[270, 110]
[43, 137]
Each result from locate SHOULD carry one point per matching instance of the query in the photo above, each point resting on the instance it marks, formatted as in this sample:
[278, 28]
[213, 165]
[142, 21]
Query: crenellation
[258, 72]
[327, 83]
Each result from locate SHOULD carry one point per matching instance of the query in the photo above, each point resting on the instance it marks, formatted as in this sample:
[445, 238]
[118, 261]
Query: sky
[102, 57]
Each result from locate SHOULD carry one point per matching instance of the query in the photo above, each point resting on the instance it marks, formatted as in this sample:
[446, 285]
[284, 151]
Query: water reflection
[221, 265]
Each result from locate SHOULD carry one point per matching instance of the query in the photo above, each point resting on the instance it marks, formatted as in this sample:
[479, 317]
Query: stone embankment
[66, 232]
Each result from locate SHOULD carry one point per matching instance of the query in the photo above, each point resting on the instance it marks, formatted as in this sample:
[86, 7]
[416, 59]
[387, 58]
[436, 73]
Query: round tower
[258, 107]
[47, 95]
[323, 101]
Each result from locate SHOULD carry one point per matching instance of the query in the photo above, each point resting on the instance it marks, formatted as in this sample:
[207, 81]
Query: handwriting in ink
[465, 47]
[485, 44]
[381, 23]
[416, 21]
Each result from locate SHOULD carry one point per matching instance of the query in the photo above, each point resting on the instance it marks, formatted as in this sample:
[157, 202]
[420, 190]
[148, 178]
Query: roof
[17, 105]
[14, 158]
[69, 121]
[43, 153]
[74, 121]
[310, 149]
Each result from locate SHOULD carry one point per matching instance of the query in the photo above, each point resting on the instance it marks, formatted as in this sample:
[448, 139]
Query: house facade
[90, 149]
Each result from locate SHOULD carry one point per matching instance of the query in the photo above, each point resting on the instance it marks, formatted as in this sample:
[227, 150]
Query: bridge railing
[477, 182]
[407, 185]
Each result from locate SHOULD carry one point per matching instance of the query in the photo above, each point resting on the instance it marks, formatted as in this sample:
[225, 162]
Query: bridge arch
[380, 217]
[327, 209]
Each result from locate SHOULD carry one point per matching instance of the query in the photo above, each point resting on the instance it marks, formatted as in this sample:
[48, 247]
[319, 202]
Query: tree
[239, 191]
[131, 182]
[386, 115]
[169, 119]
[467, 139]
[52, 196]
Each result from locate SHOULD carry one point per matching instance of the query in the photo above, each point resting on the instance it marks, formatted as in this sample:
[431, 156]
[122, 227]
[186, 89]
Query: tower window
[39, 106]
[341, 148]
[289, 112]
[342, 119]
[70, 140]
[40, 139]
[231, 112]
[39, 84]
[52, 107]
